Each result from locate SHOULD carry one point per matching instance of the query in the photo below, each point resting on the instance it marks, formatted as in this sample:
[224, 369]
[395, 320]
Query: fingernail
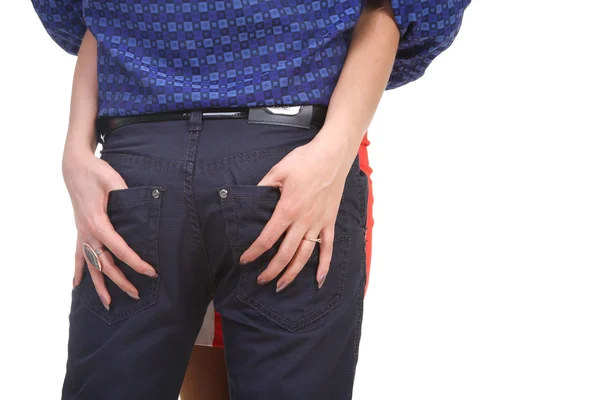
[105, 304]
[260, 280]
[132, 294]
[322, 279]
[243, 261]
[151, 273]
[281, 286]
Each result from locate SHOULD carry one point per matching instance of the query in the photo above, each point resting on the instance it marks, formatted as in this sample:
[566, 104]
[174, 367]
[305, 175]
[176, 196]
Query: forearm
[84, 101]
[363, 79]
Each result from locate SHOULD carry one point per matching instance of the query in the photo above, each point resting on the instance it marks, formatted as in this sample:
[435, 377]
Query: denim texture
[191, 208]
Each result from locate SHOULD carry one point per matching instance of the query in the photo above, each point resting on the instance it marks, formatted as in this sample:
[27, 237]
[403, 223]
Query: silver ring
[92, 256]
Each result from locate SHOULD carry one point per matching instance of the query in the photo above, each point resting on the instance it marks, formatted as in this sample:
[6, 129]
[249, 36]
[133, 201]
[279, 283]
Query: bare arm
[312, 177]
[84, 100]
[90, 179]
[362, 80]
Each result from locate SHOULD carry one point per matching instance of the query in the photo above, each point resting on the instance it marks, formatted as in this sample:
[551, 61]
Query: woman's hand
[89, 180]
[311, 179]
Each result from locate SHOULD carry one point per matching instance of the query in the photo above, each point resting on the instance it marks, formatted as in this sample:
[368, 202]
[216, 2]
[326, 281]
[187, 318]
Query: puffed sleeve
[63, 20]
[427, 28]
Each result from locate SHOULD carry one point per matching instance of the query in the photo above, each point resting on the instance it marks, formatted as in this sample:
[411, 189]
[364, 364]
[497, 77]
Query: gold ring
[318, 240]
[92, 256]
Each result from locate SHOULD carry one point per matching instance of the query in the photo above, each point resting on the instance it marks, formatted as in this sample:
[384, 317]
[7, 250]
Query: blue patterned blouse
[164, 55]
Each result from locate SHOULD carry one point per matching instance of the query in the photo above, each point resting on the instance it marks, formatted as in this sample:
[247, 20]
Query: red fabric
[218, 338]
[363, 157]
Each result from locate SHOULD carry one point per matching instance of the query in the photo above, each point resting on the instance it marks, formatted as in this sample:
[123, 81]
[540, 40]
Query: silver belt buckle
[283, 110]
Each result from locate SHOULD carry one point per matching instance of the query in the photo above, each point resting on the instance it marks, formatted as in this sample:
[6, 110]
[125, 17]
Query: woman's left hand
[311, 179]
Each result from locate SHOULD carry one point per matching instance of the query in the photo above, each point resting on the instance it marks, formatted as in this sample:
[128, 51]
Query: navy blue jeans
[191, 208]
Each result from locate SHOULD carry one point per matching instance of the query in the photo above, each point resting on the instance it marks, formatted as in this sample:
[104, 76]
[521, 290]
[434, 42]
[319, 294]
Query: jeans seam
[363, 192]
[230, 217]
[162, 164]
[240, 158]
[357, 329]
[360, 295]
[194, 129]
[128, 203]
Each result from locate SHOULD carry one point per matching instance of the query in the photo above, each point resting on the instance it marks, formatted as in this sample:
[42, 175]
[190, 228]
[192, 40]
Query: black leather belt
[295, 116]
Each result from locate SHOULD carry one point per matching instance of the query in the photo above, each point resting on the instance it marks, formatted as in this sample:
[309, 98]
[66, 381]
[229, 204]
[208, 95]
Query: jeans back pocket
[246, 210]
[135, 215]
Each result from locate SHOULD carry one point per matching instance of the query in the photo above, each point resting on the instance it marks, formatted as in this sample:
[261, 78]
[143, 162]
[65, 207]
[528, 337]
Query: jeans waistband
[303, 116]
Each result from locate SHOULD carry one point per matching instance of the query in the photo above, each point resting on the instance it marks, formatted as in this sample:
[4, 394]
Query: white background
[485, 275]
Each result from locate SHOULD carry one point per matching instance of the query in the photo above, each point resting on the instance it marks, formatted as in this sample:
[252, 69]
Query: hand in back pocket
[246, 210]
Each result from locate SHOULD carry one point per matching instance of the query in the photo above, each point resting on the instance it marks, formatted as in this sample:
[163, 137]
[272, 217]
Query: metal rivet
[156, 193]
[223, 193]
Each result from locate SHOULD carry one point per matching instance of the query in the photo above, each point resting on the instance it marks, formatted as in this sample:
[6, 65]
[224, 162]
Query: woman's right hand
[89, 181]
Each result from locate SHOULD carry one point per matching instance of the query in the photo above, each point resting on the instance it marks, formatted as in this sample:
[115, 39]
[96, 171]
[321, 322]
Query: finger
[110, 269]
[272, 178]
[79, 262]
[106, 233]
[300, 259]
[284, 255]
[325, 255]
[280, 220]
[98, 278]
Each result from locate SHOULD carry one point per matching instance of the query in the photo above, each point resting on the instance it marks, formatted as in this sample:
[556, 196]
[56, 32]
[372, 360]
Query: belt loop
[195, 122]
[98, 130]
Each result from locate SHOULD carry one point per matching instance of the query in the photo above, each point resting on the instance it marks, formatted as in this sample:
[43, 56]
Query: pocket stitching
[127, 203]
[288, 324]
[232, 228]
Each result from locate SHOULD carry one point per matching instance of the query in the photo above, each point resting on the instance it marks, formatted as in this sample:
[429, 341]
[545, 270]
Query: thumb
[109, 178]
[115, 182]
[272, 178]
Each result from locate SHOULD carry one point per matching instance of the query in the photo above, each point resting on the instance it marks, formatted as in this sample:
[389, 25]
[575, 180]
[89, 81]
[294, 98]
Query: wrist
[343, 141]
[75, 156]
[81, 140]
